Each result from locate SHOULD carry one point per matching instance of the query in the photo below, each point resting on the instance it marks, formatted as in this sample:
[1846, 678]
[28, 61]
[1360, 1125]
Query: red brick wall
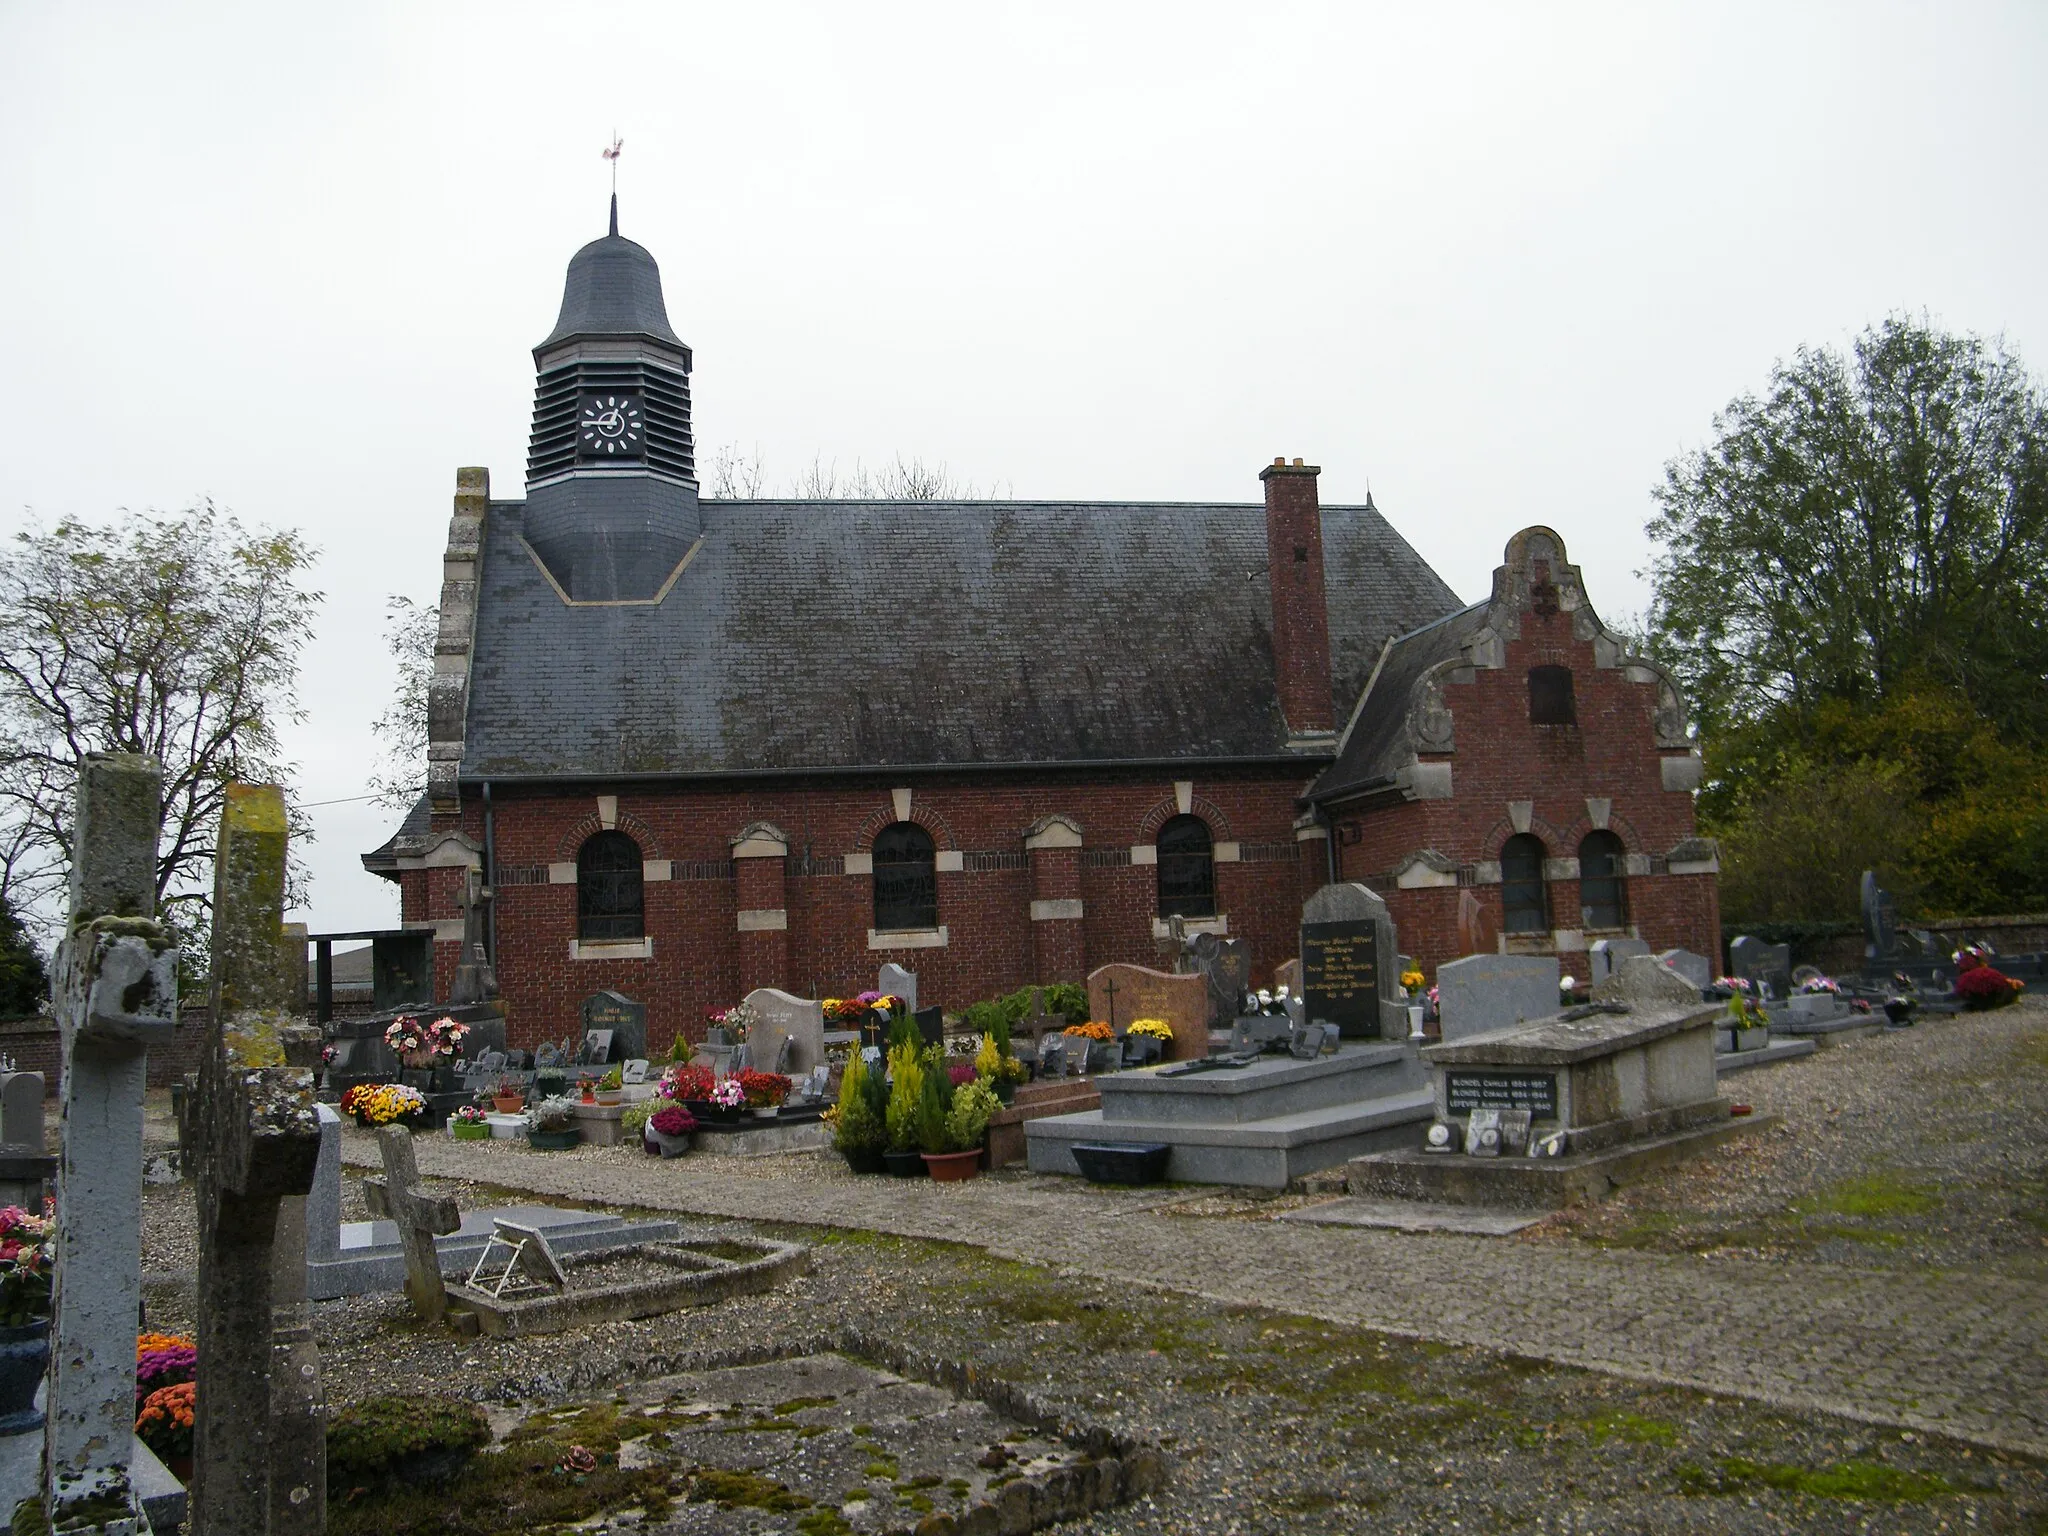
[1611, 753]
[701, 961]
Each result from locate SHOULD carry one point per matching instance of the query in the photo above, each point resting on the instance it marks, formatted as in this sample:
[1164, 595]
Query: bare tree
[409, 634]
[171, 634]
[736, 476]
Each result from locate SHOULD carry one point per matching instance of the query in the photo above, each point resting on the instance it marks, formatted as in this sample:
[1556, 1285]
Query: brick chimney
[1301, 618]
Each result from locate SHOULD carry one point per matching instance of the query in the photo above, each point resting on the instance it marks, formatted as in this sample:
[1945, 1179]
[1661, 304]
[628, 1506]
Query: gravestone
[626, 1019]
[1645, 982]
[116, 994]
[1119, 993]
[21, 1110]
[1880, 921]
[1607, 954]
[894, 981]
[1226, 965]
[1483, 993]
[259, 1453]
[1287, 975]
[1349, 971]
[931, 1024]
[1764, 964]
[1697, 969]
[1478, 933]
[781, 1017]
[419, 1216]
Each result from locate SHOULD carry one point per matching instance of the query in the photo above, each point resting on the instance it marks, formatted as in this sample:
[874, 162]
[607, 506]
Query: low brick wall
[32, 1043]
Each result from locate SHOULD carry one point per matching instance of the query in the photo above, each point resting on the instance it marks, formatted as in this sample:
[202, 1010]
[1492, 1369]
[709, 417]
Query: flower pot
[24, 1355]
[863, 1159]
[180, 1467]
[508, 1103]
[905, 1165]
[468, 1130]
[1006, 1089]
[670, 1146]
[648, 1144]
[1752, 1039]
[718, 1114]
[554, 1141]
[951, 1167]
[765, 1111]
[610, 1095]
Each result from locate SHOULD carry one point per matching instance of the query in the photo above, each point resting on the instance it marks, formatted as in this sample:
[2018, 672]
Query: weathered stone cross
[259, 1454]
[117, 994]
[420, 1216]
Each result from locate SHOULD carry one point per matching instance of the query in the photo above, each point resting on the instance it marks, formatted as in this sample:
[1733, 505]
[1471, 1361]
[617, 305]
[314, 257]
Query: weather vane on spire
[612, 154]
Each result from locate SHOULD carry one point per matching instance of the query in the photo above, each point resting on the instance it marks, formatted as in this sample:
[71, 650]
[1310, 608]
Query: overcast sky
[1499, 263]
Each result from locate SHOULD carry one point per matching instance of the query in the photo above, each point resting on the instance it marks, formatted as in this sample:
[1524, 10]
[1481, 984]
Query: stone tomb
[1617, 1088]
[359, 1258]
[1350, 968]
[1260, 1122]
[1483, 993]
[1120, 992]
[780, 1017]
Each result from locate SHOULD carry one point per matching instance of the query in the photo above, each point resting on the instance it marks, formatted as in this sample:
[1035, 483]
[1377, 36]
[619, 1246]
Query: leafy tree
[1850, 584]
[23, 982]
[176, 635]
[401, 776]
[1869, 520]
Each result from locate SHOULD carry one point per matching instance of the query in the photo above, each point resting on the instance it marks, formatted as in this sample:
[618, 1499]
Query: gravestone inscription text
[1340, 974]
[1533, 1091]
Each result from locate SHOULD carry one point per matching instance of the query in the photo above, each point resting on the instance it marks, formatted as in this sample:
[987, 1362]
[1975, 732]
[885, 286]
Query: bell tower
[611, 467]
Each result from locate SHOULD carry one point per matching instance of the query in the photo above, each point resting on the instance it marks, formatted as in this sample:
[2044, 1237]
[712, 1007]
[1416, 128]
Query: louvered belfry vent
[661, 394]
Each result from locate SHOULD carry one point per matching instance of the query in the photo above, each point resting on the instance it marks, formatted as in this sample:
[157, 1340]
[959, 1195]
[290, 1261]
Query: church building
[688, 747]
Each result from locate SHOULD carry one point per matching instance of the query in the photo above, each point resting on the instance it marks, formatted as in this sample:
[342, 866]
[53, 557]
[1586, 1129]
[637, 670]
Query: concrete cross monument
[259, 1457]
[420, 1217]
[117, 994]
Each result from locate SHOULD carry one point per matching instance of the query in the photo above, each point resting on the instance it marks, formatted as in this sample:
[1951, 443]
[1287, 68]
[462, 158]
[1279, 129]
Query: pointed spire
[615, 213]
[1368, 498]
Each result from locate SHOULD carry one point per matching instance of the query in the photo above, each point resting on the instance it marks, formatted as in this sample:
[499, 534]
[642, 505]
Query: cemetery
[1351, 1095]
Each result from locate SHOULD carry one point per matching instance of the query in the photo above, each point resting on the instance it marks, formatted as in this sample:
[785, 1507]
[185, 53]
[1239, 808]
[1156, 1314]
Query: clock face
[610, 426]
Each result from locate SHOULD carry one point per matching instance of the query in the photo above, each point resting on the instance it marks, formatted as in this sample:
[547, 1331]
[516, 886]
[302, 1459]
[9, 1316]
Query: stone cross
[259, 1459]
[116, 995]
[420, 1217]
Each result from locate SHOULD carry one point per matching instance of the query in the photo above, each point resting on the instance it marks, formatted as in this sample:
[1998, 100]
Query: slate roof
[820, 635]
[1379, 741]
[613, 288]
[418, 821]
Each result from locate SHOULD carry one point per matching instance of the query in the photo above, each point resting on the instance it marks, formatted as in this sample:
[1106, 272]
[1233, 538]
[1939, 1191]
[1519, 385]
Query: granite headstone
[897, 982]
[1605, 954]
[1482, 993]
[1349, 975]
[780, 1016]
[626, 1019]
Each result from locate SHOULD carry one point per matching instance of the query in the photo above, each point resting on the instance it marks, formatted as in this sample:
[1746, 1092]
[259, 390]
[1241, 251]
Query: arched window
[1524, 905]
[906, 878]
[608, 904]
[1603, 892]
[1187, 869]
[1550, 696]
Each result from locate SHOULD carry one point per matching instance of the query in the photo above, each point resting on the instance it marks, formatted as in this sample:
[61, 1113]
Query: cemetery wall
[1558, 782]
[32, 1044]
[987, 882]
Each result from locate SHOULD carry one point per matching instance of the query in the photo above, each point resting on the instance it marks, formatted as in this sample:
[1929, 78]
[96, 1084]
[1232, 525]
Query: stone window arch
[609, 898]
[906, 878]
[1187, 868]
[1524, 899]
[1603, 884]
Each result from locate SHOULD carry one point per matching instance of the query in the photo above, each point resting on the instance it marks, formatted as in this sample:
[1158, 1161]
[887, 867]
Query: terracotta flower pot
[951, 1167]
[508, 1103]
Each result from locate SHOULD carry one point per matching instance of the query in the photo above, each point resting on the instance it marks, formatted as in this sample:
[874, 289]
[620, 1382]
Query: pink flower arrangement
[470, 1114]
[729, 1094]
[673, 1121]
[962, 1073]
[163, 1360]
[1736, 984]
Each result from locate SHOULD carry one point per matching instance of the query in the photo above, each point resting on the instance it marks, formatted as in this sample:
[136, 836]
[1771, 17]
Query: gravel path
[1907, 1342]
